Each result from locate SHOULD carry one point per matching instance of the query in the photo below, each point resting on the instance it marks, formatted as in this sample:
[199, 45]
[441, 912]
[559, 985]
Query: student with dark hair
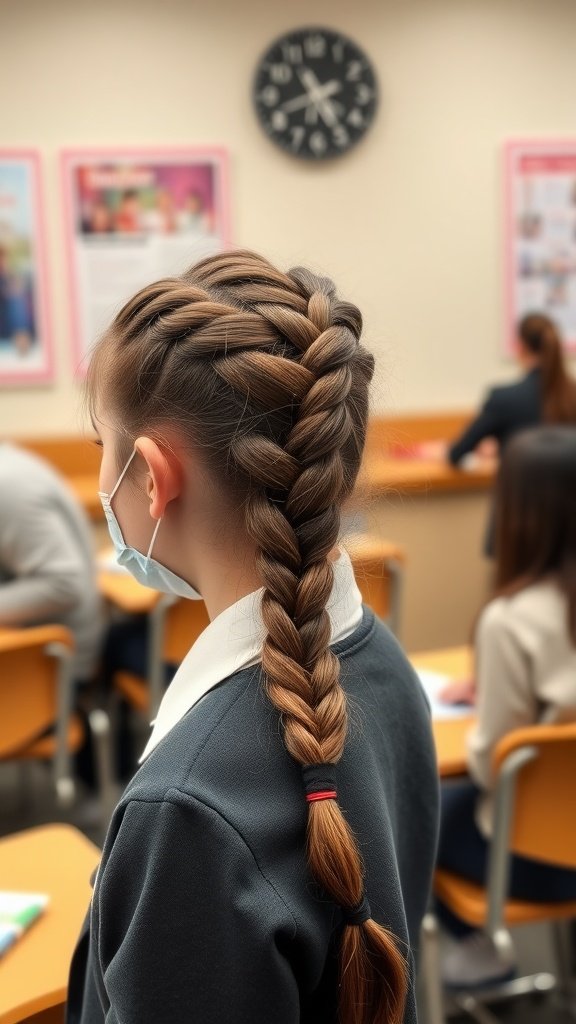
[545, 394]
[270, 861]
[525, 646]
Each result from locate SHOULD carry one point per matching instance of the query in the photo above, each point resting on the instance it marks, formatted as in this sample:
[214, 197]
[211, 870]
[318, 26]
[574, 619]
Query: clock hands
[316, 98]
[317, 95]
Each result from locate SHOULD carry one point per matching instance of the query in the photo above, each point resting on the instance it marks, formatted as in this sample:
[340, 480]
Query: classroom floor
[27, 799]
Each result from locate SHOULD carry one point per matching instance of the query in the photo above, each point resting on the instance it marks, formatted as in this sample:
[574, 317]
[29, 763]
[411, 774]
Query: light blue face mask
[143, 568]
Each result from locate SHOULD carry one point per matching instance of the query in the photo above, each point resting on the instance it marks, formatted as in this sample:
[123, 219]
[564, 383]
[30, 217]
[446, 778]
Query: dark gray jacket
[204, 910]
[507, 409]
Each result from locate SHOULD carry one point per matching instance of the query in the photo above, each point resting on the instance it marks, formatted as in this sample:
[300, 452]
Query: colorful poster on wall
[541, 234]
[25, 349]
[135, 216]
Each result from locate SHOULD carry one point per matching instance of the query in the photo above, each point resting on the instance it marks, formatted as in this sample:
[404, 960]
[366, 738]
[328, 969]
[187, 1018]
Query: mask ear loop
[117, 485]
[156, 528]
[122, 475]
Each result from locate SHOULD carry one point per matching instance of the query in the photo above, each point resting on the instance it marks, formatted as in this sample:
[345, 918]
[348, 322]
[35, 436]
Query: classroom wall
[409, 224]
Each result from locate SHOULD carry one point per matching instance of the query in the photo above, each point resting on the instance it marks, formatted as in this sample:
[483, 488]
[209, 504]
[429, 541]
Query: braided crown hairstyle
[264, 372]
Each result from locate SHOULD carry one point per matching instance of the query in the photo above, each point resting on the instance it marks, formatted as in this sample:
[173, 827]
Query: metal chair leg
[65, 791]
[100, 728]
[564, 950]
[430, 964]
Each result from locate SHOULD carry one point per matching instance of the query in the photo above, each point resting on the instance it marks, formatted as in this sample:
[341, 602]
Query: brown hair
[263, 371]
[536, 513]
[540, 336]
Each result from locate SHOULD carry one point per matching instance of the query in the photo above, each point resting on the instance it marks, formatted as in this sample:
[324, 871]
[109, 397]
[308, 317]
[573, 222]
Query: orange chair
[378, 567]
[535, 816]
[175, 623]
[36, 693]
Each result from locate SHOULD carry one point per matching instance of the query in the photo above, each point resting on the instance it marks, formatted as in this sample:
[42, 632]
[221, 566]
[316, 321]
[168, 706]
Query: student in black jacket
[546, 393]
[270, 861]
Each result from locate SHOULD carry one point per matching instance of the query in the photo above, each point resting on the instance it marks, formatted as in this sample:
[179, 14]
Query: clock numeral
[315, 46]
[297, 133]
[354, 70]
[363, 93]
[292, 53]
[340, 135]
[356, 118]
[318, 143]
[279, 120]
[338, 51]
[280, 74]
[270, 95]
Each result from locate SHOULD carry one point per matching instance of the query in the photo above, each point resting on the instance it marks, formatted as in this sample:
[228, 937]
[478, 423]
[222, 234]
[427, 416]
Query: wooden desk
[85, 487]
[380, 473]
[449, 733]
[126, 594]
[58, 860]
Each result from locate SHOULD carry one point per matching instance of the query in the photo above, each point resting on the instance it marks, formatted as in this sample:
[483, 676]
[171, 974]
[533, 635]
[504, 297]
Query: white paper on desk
[433, 683]
[106, 562]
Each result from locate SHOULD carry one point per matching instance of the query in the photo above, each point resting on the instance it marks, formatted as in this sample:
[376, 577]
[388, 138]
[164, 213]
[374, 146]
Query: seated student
[270, 860]
[525, 647]
[545, 394]
[47, 571]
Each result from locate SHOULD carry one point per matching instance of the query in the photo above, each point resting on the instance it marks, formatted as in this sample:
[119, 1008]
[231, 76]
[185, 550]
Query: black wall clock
[315, 93]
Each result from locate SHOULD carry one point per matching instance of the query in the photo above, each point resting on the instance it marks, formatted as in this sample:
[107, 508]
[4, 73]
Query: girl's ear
[164, 481]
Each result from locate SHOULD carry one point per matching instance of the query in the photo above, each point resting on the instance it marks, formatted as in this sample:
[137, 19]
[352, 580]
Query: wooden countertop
[380, 473]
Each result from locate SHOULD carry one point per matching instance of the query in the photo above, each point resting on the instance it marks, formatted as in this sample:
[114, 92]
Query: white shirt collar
[233, 641]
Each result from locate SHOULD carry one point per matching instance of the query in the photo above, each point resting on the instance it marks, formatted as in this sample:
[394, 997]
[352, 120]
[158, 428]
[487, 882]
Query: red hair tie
[319, 782]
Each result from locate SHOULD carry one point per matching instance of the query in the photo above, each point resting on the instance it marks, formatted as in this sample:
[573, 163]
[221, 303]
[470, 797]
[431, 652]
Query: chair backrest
[175, 622]
[30, 662]
[378, 568]
[184, 622]
[543, 824]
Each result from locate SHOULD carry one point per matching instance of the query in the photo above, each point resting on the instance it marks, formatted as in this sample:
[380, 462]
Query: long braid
[288, 351]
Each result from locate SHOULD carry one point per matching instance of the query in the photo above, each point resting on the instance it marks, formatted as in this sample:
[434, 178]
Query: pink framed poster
[25, 341]
[540, 210]
[135, 215]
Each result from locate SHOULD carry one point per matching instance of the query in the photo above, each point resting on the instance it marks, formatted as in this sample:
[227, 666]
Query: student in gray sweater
[270, 861]
[47, 571]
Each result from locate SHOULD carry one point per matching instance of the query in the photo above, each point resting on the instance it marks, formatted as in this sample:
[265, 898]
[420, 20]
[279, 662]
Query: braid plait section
[293, 515]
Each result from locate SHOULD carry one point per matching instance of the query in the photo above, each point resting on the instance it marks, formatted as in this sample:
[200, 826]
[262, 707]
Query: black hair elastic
[357, 915]
[319, 782]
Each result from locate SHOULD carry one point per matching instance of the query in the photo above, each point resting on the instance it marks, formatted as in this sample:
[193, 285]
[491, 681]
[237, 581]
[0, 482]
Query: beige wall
[441, 534]
[409, 224]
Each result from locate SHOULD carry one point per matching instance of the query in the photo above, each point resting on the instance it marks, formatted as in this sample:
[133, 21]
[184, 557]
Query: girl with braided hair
[270, 861]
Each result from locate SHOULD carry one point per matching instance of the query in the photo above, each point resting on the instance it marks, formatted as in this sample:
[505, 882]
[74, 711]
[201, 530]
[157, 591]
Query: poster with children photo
[541, 234]
[25, 345]
[134, 216]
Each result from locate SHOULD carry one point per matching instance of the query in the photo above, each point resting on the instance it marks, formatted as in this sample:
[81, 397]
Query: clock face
[315, 93]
